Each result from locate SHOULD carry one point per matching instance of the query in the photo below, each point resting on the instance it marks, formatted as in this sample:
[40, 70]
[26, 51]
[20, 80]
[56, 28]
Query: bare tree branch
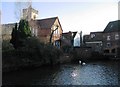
[19, 6]
[52, 34]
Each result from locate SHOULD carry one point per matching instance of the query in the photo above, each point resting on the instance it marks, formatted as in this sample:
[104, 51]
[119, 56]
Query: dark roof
[96, 32]
[113, 26]
[74, 34]
[69, 34]
[46, 23]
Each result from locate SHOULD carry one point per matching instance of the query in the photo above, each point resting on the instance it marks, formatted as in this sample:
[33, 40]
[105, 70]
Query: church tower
[30, 13]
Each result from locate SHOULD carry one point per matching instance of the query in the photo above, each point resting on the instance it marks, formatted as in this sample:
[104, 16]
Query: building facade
[111, 39]
[106, 42]
[43, 28]
[67, 39]
[94, 40]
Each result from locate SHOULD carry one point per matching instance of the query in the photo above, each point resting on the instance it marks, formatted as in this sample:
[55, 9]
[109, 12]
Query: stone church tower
[30, 13]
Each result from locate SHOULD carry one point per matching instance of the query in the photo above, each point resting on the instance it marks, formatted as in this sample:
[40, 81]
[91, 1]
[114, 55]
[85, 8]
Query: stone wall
[7, 30]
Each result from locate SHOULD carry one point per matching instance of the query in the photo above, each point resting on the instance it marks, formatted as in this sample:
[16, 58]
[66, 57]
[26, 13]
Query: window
[106, 51]
[34, 17]
[57, 31]
[108, 37]
[54, 27]
[33, 32]
[97, 44]
[36, 32]
[113, 50]
[101, 44]
[108, 44]
[63, 37]
[116, 36]
[111, 26]
[92, 35]
[30, 28]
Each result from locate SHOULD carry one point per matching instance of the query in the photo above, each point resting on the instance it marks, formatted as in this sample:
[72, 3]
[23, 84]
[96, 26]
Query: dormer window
[111, 26]
[92, 35]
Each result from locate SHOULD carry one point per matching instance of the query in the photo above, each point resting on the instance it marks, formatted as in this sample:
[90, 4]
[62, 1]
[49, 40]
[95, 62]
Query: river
[92, 73]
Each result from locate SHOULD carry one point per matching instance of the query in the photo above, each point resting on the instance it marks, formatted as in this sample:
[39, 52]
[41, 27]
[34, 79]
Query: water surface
[92, 73]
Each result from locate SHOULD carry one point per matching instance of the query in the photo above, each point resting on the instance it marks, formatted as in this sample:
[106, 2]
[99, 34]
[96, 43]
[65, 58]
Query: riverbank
[32, 54]
[26, 65]
[35, 54]
[16, 64]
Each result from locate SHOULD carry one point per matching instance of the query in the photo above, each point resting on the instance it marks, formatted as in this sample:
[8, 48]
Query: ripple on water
[93, 73]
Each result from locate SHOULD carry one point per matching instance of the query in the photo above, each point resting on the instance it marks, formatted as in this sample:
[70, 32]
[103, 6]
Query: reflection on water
[93, 73]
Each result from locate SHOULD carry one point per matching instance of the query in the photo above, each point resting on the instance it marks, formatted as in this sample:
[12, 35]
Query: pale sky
[86, 16]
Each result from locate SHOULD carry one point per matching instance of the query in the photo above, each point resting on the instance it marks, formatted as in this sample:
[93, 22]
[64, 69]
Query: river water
[92, 73]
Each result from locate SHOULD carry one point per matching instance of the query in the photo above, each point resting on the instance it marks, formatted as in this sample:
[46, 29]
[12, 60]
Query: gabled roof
[113, 26]
[46, 23]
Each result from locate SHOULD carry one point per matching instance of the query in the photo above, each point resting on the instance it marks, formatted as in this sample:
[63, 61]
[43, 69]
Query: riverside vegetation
[33, 54]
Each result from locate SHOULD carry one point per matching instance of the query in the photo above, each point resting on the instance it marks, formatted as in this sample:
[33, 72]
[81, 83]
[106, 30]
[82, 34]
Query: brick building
[67, 38]
[41, 28]
[94, 40]
[111, 39]
[106, 42]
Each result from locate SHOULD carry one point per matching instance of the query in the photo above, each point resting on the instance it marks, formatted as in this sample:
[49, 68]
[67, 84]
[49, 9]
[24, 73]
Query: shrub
[6, 45]
[33, 52]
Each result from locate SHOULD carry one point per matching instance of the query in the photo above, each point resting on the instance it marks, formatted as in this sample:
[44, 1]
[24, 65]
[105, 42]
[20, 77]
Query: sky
[86, 16]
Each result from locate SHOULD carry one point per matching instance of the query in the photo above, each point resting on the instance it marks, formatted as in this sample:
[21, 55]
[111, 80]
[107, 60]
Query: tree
[20, 33]
[52, 34]
[24, 29]
[14, 39]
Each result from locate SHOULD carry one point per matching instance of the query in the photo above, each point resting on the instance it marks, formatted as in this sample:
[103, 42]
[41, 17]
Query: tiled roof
[46, 23]
[113, 26]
